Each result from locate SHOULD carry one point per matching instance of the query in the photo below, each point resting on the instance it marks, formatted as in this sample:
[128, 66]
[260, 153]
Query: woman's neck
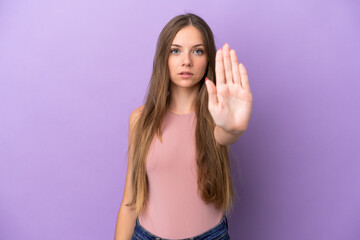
[182, 100]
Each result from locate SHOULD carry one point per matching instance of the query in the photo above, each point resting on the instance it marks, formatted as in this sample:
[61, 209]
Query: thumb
[211, 88]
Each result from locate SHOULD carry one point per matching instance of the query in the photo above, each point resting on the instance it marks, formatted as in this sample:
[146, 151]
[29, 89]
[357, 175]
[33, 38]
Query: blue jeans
[219, 232]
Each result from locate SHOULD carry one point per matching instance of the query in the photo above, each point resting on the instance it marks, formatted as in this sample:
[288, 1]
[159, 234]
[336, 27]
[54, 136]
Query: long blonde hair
[214, 176]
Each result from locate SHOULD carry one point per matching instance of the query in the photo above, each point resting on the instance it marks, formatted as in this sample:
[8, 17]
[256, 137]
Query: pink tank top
[175, 210]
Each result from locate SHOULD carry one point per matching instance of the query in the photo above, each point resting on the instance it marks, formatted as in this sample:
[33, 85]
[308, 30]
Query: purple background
[71, 72]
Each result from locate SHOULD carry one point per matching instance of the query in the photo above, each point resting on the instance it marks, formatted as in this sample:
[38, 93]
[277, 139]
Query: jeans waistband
[219, 229]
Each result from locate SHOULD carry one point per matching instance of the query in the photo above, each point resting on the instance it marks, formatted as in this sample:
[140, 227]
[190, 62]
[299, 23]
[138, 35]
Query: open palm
[230, 101]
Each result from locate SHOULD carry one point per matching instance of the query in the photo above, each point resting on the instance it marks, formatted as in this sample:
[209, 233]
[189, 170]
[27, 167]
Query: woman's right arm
[126, 218]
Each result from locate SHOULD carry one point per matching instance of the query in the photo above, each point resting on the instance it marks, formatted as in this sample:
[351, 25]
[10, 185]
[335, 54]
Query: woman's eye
[172, 50]
[201, 51]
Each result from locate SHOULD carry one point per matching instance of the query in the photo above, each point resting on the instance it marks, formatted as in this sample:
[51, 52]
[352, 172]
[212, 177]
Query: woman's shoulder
[136, 113]
[138, 110]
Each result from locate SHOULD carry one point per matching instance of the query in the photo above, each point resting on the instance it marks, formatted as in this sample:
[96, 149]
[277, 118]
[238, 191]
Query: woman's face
[187, 54]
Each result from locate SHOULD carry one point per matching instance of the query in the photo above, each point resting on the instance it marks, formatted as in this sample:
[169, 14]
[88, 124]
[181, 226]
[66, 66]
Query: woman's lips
[185, 74]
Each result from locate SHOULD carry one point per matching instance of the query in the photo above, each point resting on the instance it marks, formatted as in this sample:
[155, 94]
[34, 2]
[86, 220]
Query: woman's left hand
[230, 101]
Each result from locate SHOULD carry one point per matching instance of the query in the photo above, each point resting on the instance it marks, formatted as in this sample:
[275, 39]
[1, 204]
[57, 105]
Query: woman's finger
[244, 77]
[219, 68]
[227, 64]
[211, 88]
[235, 67]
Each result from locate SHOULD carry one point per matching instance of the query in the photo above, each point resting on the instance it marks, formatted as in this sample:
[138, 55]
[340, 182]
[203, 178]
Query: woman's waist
[181, 221]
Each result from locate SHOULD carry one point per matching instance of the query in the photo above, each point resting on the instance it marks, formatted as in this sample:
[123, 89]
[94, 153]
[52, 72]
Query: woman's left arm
[230, 101]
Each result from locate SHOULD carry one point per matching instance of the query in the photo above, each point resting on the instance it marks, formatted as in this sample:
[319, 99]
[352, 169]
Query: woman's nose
[187, 59]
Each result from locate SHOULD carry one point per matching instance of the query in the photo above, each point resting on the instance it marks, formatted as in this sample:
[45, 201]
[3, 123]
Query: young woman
[178, 183]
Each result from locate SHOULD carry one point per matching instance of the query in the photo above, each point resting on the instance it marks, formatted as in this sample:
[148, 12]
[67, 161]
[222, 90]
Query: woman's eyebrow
[196, 45]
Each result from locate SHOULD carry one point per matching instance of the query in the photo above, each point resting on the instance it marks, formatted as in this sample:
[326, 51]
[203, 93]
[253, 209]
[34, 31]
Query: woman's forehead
[188, 36]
